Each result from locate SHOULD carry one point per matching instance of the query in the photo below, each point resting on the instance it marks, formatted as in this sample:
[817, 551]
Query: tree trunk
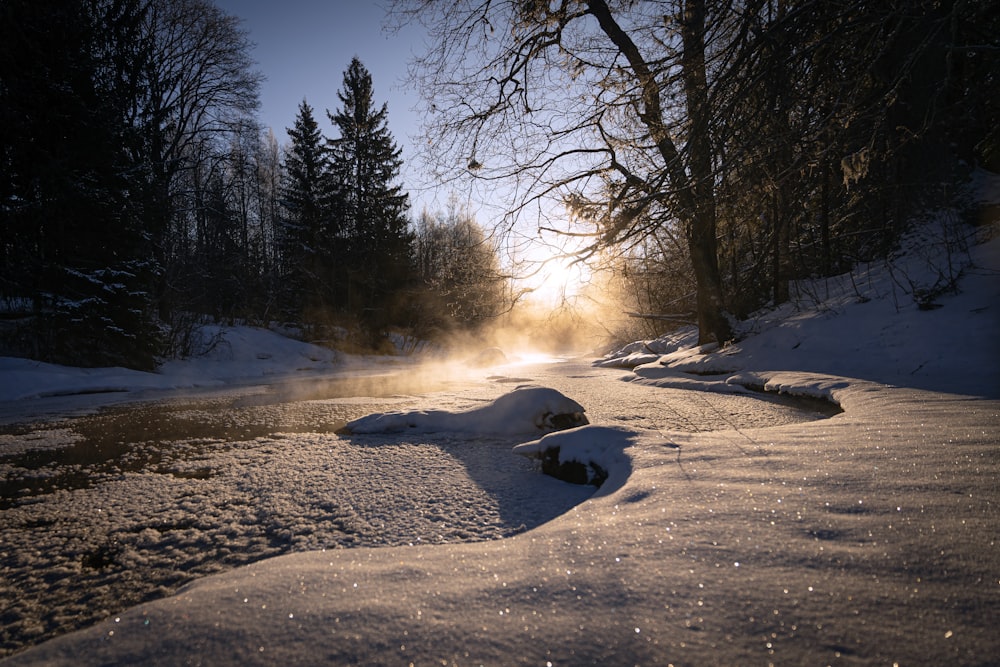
[694, 188]
[712, 322]
[780, 249]
[824, 223]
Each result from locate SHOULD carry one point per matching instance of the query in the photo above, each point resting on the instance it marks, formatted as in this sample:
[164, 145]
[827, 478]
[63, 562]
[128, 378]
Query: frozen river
[102, 511]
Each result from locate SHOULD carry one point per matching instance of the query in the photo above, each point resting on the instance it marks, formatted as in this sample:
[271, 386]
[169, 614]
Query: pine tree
[372, 207]
[306, 197]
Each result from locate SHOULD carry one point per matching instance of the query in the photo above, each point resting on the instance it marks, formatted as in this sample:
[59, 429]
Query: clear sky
[303, 48]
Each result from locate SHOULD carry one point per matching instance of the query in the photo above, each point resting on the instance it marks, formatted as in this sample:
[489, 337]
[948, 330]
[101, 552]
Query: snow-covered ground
[102, 511]
[866, 538]
[240, 355]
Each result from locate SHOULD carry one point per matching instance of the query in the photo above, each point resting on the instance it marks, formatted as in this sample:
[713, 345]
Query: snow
[869, 537]
[599, 448]
[524, 410]
[866, 325]
[234, 354]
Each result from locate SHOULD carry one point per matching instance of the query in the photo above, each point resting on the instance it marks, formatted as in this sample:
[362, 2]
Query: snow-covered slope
[875, 324]
[235, 354]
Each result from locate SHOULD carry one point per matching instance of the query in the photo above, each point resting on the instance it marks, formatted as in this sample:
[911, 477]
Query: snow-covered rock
[630, 360]
[527, 409]
[585, 455]
[649, 351]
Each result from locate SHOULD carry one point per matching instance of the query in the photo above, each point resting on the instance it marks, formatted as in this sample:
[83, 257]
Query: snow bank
[524, 410]
[231, 354]
[865, 538]
[648, 351]
[28, 379]
[878, 323]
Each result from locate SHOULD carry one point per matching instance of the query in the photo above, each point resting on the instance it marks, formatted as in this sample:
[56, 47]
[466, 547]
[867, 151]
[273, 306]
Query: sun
[557, 281]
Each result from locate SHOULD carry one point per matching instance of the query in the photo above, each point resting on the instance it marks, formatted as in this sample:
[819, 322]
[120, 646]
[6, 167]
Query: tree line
[139, 195]
[716, 150]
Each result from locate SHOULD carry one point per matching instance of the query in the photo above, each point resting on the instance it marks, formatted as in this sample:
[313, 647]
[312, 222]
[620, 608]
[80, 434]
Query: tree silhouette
[305, 237]
[371, 205]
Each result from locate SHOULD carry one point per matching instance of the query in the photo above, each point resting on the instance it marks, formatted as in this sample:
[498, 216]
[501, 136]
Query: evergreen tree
[306, 195]
[371, 206]
[75, 260]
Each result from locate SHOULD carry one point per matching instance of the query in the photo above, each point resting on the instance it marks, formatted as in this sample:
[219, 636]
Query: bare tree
[604, 106]
[199, 86]
[459, 266]
[201, 78]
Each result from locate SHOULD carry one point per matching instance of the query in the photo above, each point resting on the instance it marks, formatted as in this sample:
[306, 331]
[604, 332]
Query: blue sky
[303, 48]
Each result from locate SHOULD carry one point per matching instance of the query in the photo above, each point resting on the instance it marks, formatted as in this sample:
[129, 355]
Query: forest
[709, 152]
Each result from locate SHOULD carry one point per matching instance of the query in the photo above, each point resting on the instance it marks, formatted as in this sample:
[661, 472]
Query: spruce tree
[306, 196]
[372, 206]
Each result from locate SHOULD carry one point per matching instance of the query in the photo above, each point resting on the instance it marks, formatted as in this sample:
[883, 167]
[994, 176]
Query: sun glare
[533, 357]
[558, 280]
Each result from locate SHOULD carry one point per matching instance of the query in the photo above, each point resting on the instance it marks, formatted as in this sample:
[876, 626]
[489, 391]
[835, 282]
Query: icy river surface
[102, 511]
